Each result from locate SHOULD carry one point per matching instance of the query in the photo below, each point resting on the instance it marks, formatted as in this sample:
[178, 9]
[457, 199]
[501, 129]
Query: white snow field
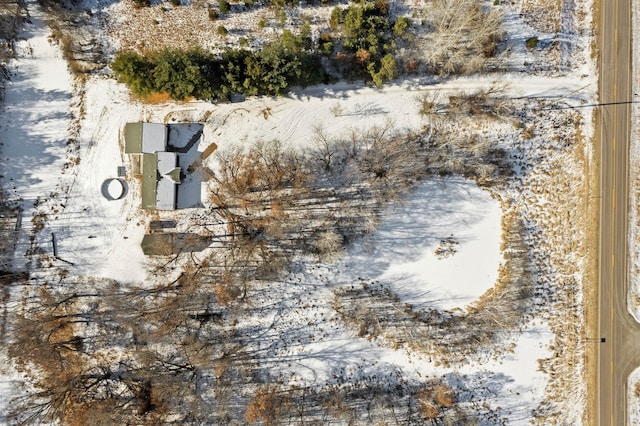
[33, 132]
[99, 237]
[35, 125]
[402, 252]
[633, 300]
[633, 386]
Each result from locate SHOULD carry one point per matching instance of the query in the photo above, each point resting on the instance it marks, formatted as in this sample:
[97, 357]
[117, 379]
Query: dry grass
[165, 26]
[592, 221]
[12, 14]
[543, 15]
[563, 254]
[266, 406]
[157, 98]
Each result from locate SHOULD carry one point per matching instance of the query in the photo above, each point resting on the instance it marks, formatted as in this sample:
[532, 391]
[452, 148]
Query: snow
[33, 135]
[100, 237]
[35, 123]
[115, 189]
[12, 384]
[633, 389]
[402, 250]
[329, 353]
[633, 305]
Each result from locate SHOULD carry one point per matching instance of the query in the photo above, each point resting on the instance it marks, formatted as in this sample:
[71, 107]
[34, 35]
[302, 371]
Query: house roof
[145, 138]
[154, 137]
[166, 188]
[160, 171]
[133, 138]
[149, 180]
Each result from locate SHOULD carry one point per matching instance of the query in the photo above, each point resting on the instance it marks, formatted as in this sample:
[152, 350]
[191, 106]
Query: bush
[368, 44]
[179, 73]
[326, 44]
[532, 42]
[224, 7]
[401, 25]
[336, 18]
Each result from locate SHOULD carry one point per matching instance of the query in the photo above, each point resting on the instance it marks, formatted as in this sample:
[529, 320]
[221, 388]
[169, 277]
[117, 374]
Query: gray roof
[166, 187]
[154, 137]
[160, 171]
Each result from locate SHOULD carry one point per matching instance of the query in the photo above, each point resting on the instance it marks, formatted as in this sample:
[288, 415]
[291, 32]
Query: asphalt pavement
[619, 354]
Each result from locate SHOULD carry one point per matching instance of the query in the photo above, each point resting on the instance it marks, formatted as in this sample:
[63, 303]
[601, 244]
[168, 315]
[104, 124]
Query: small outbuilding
[166, 244]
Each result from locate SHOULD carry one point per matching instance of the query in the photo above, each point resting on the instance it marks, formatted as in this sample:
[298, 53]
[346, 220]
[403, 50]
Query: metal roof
[133, 138]
[166, 189]
[154, 137]
[160, 171]
[149, 180]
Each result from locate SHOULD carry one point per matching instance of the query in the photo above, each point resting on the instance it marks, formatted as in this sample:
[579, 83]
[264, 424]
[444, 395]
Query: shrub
[179, 73]
[213, 14]
[133, 70]
[401, 25]
[221, 30]
[326, 44]
[223, 5]
[532, 42]
[363, 56]
[336, 18]
[281, 17]
[386, 72]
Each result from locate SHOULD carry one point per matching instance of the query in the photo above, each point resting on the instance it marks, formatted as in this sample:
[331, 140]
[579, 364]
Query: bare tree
[464, 35]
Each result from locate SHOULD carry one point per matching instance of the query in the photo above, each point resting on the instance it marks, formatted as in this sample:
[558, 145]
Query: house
[148, 142]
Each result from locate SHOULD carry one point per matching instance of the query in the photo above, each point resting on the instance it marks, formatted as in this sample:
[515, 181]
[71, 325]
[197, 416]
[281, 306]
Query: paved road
[620, 354]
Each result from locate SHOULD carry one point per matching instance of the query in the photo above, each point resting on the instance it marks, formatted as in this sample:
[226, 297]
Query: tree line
[199, 74]
[362, 47]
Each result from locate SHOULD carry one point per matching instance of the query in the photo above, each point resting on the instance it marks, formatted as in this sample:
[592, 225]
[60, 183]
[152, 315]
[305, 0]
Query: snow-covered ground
[399, 256]
[33, 133]
[633, 386]
[35, 125]
[452, 215]
[99, 237]
[633, 303]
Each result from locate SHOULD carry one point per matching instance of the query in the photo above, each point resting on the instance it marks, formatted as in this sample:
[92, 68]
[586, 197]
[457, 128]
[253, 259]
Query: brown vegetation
[464, 36]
